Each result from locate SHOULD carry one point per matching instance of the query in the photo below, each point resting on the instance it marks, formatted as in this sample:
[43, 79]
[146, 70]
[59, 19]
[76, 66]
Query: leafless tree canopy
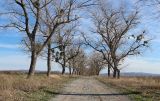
[115, 26]
[96, 63]
[67, 45]
[38, 18]
[49, 25]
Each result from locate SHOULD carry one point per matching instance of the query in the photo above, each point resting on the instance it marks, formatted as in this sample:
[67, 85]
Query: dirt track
[89, 89]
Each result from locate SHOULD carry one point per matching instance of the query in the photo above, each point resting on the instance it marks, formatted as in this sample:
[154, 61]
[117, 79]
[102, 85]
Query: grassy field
[15, 87]
[138, 88]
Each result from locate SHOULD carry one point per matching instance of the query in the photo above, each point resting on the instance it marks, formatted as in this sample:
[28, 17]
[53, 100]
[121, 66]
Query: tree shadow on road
[93, 94]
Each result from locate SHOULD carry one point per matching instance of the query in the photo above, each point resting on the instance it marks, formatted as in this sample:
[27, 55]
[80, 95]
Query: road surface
[89, 89]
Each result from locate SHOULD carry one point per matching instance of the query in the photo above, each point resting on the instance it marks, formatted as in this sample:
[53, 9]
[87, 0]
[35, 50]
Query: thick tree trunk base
[32, 65]
[114, 73]
[70, 71]
[63, 70]
[108, 71]
[73, 71]
[49, 70]
[48, 73]
[118, 74]
[49, 60]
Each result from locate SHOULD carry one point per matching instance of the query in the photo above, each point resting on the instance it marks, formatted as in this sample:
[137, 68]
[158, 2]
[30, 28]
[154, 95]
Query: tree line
[51, 31]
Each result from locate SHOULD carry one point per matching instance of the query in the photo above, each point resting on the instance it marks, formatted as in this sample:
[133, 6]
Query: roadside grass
[15, 87]
[137, 88]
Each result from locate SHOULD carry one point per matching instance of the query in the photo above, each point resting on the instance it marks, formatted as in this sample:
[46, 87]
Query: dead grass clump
[6, 94]
[15, 87]
[26, 85]
[139, 82]
[5, 82]
[149, 87]
[156, 87]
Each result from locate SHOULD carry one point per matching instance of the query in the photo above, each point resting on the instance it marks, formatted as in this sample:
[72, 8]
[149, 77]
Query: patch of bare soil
[55, 76]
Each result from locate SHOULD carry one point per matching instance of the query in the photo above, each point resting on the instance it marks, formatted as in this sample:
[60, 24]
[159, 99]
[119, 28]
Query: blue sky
[12, 56]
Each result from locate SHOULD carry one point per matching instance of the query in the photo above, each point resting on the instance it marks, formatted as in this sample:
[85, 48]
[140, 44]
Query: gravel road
[89, 89]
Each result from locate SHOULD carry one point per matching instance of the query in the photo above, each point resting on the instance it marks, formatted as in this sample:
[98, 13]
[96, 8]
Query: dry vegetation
[143, 88]
[15, 87]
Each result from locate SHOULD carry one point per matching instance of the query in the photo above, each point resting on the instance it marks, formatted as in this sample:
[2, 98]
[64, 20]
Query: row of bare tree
[40, 20]
[50, 29]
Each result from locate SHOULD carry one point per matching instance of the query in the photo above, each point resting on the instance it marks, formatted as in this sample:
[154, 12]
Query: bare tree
[116, 41]
[78, 63]
[28, 16]
[72, 52]
[96, 63]
[68, 47]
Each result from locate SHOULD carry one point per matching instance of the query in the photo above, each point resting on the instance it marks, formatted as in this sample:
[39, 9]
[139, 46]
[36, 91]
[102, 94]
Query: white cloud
[22, 62]
[9, 46]
[148, 65]
[13, 62]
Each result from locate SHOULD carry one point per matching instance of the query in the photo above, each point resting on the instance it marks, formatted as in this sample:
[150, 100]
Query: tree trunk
[109, 67]
[115, 69]
[118, 73]
[76, 72]
[49, 60]
[63, 69]
[73, 71]
[97, 73]
[114, 73]
[64, 61]
[32, 64]
[70, 71]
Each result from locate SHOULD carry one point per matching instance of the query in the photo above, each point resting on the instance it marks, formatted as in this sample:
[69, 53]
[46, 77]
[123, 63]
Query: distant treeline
[25, 72]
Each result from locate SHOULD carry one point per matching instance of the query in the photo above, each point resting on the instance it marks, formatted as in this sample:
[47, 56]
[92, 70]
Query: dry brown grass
[148, 87]
[15, 87]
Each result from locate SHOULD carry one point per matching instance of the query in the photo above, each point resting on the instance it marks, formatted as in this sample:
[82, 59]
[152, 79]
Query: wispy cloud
[9, 46]
[21, 61]
[148, 65]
